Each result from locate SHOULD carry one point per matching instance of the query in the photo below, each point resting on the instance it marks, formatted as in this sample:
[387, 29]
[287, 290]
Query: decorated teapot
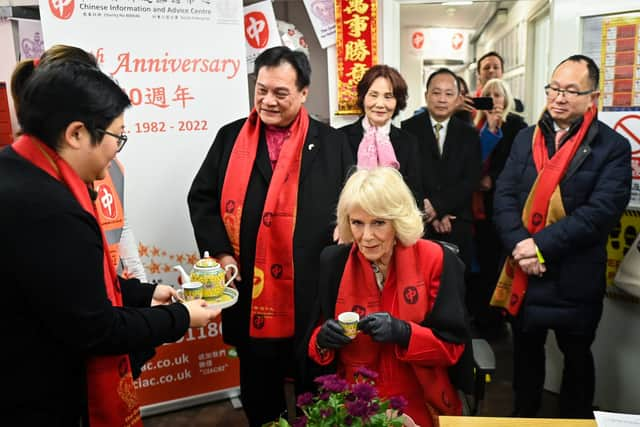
[212, 276]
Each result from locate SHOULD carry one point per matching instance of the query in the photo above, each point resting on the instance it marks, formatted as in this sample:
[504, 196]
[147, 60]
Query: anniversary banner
[184, 86]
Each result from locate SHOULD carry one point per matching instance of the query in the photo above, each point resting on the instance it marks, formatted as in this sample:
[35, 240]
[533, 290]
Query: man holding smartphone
[489, 66]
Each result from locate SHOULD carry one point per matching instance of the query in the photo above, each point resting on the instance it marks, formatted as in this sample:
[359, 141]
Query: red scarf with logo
[111, 395]
[416, 272]
[272, 306]
[543, 207]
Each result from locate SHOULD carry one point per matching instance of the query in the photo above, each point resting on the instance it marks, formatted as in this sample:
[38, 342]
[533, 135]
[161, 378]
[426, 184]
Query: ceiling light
[457, 3]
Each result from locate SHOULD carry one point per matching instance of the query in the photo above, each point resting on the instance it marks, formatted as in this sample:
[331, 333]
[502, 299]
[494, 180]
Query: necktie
[559, 135]
[438, 127]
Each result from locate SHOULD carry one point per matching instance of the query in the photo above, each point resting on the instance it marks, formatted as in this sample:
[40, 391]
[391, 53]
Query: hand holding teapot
[212, 276]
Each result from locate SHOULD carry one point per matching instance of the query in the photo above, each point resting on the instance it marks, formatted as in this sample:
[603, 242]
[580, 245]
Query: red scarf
[272, 311]
[416, 272]
[543, 207]
[112, 399]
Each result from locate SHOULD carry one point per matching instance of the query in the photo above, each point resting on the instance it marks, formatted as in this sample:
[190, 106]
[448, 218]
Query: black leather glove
[332, 335]
[383, 327]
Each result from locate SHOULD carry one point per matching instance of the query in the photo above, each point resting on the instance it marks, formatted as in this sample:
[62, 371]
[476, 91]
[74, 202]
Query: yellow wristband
[539, 255]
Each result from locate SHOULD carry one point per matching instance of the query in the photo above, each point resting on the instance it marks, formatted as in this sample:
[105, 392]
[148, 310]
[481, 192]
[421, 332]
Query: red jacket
[419, 372]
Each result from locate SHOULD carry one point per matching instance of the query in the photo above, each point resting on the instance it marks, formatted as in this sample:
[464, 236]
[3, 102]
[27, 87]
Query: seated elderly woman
[406, 290]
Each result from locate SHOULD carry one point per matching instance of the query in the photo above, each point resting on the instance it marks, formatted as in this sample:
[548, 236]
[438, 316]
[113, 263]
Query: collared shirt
[276, 138]
[443, 131]
[557, 128]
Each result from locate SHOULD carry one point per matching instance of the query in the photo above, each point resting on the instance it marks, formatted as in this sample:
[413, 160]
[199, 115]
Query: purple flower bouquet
[339, 403]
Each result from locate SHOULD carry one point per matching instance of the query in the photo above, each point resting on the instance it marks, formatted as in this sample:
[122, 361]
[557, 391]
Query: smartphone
[483, 103]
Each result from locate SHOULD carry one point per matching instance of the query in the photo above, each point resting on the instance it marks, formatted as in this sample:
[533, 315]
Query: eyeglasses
[122, 138]
[554, 92]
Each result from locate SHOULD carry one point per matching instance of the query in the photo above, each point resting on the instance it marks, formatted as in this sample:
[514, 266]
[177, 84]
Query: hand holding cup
[349, 322]
[190, 291]
[199, 314]
[332, 335]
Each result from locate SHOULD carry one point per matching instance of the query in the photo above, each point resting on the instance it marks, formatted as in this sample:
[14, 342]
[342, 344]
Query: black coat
[406, 150]
[326, 160]
[595, 191]
[57, 312]
[449, 181]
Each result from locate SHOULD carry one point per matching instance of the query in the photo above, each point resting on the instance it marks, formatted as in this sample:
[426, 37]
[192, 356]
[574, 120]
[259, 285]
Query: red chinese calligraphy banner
[356, 47]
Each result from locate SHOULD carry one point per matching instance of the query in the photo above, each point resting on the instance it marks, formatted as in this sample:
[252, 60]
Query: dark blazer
[450, 179]
[51, 256]
[326, 159]
[595, 191]
[406, 149]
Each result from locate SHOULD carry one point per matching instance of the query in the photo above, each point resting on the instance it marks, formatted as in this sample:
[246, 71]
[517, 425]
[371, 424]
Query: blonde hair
[503, 88]
[382, 193]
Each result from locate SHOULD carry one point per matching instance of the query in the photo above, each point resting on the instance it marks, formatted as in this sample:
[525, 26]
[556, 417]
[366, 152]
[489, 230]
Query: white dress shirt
[443, 131]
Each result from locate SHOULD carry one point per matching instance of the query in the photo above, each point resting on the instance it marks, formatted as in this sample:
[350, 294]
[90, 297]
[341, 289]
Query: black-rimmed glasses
[122, 138]
[553, 92]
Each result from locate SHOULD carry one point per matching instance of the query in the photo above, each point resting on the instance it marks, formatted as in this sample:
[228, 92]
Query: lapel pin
[310, 146]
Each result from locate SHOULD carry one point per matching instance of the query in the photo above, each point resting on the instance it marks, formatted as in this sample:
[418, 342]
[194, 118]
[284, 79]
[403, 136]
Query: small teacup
[349, 322]
[190, 291]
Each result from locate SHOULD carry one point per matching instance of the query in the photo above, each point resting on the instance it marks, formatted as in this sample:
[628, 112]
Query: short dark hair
[277, 55]
[592, 67]
[486, 55]
[444, 70]
[398, 85]
[66, 91]
[58, 52]
[462, 84]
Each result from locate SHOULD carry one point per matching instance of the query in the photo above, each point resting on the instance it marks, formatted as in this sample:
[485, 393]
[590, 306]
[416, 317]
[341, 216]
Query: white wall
[516, 23]
[411, 69]
[565, 22]
[317, 101]
[519, 12]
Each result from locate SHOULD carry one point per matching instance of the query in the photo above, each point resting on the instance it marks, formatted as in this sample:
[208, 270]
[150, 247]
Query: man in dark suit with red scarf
[264, 199]
[564, 186]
